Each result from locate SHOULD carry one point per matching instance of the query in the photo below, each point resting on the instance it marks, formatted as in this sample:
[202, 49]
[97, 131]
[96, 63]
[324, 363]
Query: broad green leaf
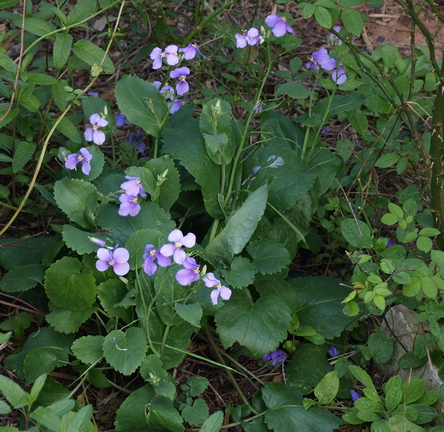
[13, 393]
[358, 120]
[23, 153]
[22, 278]
[60, 95]
[287, 413]
[387, 160]
[38, 78]
[68, 287]
[79, 240]
[268, 256]
[393, 398]
[381, 346]
[6, 409]
[46, 417]
[319, 304]
[197, 385]
[137, 242]
[429, 287]
[196, 413]
[62, 48]
[323, 17]
[78, 199]
[294, 89]
[353, 21]
[179, 340]
[43, 360]
[81, 11]
[328, 388]
[240, 274]
[38, 26]
[213, 423]
[92, 54]
[424, 244]
[399, 423]
[110, 293]
[81, 420]
[357, 233]
[191, 313]
[163, 416]
[67, 128]
[66, 320]
[259, 326]
[362, 376]
[88, 349]
[125, 351]
[141, 103]
[240, 227]
[413, 390]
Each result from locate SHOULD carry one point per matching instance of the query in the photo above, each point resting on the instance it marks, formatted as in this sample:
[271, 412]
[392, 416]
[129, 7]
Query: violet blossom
[121, 120]
[174, 249]
[279, 25]
[169, 54]
[116, 259]
[251, 37]
[354, 395]
[339, 76]
[93, 133]
[84, 156]
[189, 274]
[190, 51]
[276, 357]
[136, 140]
[321, 59]
[149, 266]
[176, 105]
[222, 291]
[129, 205]
[133, 186]
[333, 351]
[333, 38]
[182, 86]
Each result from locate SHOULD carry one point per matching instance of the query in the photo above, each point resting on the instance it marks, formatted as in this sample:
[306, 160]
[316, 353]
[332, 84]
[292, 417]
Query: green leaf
[389, 219]
[67, 128]
[136, 245]
[6, 409]
[197, 413]
[197, 385]
[424, 244]
[81, 420]
[88, 349]
[399, 423]
[294, 89]
[191, 313]
[66, 320]
[323, 17]
[78, 199]
[110, 293]
[81, 11]
[381, 346]
[213, 423]
[43, 360]
[319, 304]
[79, 240]
[141, 103]
[38, 78]
[22, 278]
[163, 416]
[357, 233]
[240, 227]
[268, 256]
[46, 417]
[177, 344]
[387, 160]
[38, 26]
[13, 393]
[353, 21]
[67, 287]
[62, 48]
[260, 326]
[125, 351]
[60, 95]
[92, 54]
[429, 287]
[287, 413]
[358, 120]
[240, 274]
[23, 153]
[413, 390]
[393, 398]
[328, 388]
[362, 376]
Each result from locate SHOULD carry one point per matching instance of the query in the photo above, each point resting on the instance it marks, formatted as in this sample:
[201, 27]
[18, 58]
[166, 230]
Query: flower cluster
[84, 156]
[322, 59]
[279, 25]
[129, 199]
[250, 37]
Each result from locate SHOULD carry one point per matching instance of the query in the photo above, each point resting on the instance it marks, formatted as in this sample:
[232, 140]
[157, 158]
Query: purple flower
[93, 133]
[170, 54]
[136, 140]
[321, 59]
[339, 76]
[178, 240]
[251, 37]
[149, 266]
[133, 186]
[190, 51]
[354, 395]
[325, 130]
[279, 25]
[276, 357]
[130, 205]
[390, 243]
[182, 86]
[223, 291]
[190, 273]
[176, 105]
[258, 107]
[333, 38]
[116, 259]
[333, 351]
[92, 94]
[97, 241]
[84, 157]
[121, 120]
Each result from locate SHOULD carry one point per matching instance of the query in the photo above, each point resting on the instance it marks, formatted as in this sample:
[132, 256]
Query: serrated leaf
[353, 21]
[241, 273]
[46, 417]
[191, 313]
[92, 54]
[60, 95]
[268, 256]
[66, 320]
[79, 240]
[380, 346]
[43, 360]
[37, 388]
[81, 11]
[67, 287]
[6, 409]
[141, 103]
[213, 423]
[22, 278]
[111, 292]
[38, 26]
[23, 153]
[197, 385]
[362, 376]
[259, 326]
[125, 351]
[62, 48]
[78, 199]
[323, 17]
[424, 244]
[81, 420]
[71, 131]
[294, 89]
[39, 78]
[88, 349]
[197, 413]
[13, 393]
[162, 415]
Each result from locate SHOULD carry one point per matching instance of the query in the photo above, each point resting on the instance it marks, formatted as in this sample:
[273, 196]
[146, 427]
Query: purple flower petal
[98, 137]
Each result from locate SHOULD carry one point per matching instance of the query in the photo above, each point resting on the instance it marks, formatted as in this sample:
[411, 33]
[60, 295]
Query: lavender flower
[136, 140]
[169, 54]
[339, 76]
[133, 186]
[279, 25]
[223, 291]
[97, 241]
[190, 51]
[191, 272]
[333, 38]
[333, 351]
[149, 266]
[390, 243]
[276, 357]
[130, 205]
[116, 259]
[251, 37]
[176, 105]
[121, 120]
[182, 86]
[321, 59]
[93, 133]
[354, 395]
[84, 157]
[174, 249]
